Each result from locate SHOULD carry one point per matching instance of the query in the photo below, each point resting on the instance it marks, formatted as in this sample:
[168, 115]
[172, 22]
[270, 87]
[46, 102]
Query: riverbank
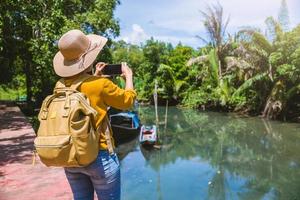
[19, 179]
[292, 117]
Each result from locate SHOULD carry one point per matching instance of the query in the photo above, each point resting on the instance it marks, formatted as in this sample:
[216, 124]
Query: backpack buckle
[66, 112]
[67, 106]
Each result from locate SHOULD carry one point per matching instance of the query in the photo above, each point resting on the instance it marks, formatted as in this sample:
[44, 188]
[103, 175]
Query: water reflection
[125, 148]
[217, 156]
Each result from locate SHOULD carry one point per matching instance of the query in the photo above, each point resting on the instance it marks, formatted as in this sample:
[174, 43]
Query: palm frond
[257, 39]
[179, 84]
[249, 83]
[197, 60]
[214, 64]
[214, 24]
[233, 62]
[202, 39]
[225, 91]
[274, 29]
[291, 92]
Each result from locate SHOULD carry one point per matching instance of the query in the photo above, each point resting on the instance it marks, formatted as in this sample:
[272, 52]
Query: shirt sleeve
[117, 97]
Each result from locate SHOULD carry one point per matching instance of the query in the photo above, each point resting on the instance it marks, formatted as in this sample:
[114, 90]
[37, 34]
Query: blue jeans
[102, 175]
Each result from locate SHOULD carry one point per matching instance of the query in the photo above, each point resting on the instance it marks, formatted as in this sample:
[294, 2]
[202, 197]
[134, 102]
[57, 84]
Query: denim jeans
[102, 175]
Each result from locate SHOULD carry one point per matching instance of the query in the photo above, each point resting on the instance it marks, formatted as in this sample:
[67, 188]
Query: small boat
[148, 135]
[125, 126]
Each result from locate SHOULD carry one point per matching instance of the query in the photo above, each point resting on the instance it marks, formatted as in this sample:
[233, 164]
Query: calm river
[208, 155]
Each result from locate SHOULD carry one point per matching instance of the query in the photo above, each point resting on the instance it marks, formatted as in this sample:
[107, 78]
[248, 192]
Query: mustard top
[103, 93]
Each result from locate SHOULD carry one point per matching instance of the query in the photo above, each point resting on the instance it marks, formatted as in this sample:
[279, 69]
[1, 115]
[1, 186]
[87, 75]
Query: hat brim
[65, 68]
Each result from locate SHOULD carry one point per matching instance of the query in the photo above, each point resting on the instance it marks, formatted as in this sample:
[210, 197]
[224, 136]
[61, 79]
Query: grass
[9, 94]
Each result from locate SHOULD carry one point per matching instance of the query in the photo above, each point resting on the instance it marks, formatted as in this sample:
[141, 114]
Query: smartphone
[112, 69]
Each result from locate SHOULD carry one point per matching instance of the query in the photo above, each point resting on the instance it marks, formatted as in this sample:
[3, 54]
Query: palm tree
[218, 48]
[275, 60]
[215, 26]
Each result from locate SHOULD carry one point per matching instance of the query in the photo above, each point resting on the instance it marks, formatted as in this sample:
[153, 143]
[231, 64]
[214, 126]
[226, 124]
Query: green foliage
[177, 60]
[153, 54]
[15, 90]
[250, 72]
[275, 61]
[224, 91]
[214, 66]
[283, 16]
[248, 84]
[166, 81]
[36, 26]
[132, 54]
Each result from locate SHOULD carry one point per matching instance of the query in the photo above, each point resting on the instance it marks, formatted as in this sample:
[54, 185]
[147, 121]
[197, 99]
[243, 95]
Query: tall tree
[283, 16]
[215, 25]
[35, 27]
[155, 53]
[7, 41]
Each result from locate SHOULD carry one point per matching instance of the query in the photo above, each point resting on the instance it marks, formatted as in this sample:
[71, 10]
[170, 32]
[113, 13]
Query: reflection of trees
[266, 154]
[218, 186]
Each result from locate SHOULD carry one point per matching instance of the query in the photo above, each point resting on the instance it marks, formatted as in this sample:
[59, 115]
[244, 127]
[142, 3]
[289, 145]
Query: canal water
[207, 155]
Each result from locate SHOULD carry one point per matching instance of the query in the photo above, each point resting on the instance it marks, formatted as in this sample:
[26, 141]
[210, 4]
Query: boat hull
[125, 126]
[148, 139]
[123, 134]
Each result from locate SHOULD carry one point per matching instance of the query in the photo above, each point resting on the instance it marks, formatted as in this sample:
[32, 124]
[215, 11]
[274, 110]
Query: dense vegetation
[253, 72]
[29, 31]
[250, 72]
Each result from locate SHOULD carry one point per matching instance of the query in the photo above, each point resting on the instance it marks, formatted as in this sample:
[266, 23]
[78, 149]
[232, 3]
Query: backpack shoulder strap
[108, 134]
[60, 83]
[79, 81]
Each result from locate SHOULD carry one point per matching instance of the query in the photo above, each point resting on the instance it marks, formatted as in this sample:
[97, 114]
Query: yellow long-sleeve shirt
[103, 93]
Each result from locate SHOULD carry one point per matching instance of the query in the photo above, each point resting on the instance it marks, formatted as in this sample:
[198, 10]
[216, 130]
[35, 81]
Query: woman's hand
[99, 68]
[126, 71]
[127, 74]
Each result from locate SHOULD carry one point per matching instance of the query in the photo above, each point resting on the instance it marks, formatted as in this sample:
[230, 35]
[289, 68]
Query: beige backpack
[67, 136]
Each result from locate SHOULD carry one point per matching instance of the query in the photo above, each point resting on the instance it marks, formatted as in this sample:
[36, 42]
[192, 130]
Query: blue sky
[180, 20]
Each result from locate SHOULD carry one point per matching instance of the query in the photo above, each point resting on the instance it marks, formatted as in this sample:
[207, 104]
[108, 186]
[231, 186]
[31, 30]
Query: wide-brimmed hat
[77, 52]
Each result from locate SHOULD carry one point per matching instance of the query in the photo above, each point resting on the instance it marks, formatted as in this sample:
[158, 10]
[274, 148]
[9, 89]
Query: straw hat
[77, 52]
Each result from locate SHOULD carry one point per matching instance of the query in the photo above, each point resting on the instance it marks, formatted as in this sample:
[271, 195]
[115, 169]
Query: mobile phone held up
[112, 69]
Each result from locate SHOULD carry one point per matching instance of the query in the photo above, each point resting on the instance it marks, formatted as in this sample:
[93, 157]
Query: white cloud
[188, 25]
[191, 41]
[136, 36]
[177, 20]
[186, 15]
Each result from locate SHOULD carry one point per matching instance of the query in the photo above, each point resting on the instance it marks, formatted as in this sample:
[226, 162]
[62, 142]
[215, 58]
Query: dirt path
[19, 179]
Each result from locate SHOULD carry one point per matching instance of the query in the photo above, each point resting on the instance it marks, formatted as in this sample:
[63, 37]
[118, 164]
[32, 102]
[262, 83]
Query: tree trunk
[8, 53]
[271, 74]
[28, 74]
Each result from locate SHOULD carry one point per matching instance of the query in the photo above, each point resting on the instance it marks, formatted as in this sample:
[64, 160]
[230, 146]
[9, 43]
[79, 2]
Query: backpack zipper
[50, 145]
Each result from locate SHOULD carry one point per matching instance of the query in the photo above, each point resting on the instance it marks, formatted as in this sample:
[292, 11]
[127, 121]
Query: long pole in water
[155, 102]
[166, 115]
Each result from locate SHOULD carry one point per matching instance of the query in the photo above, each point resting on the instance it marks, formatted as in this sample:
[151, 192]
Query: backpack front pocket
[56, 150]
[87, 147]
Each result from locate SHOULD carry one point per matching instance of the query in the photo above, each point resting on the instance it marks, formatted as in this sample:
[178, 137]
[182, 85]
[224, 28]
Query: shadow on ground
[16, 135]
[11, 118]
[16, 149]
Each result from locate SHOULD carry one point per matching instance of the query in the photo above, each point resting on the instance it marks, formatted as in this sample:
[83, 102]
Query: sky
[177, 21]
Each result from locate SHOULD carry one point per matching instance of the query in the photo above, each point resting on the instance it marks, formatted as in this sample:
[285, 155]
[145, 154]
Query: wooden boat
[125, 126]
[148, 135]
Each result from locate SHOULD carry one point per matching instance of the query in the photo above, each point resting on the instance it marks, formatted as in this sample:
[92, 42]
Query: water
[207, 155]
